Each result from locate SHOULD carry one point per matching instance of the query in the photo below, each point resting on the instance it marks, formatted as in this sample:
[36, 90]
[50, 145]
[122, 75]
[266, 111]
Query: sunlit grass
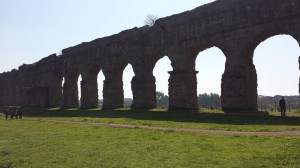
[27, 144]
[55, 108]
[159, 110]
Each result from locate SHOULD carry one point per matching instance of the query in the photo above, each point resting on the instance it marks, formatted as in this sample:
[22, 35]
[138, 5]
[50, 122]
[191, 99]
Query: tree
[127, 102]
[150, 20]
[209, 101]
[162, 100]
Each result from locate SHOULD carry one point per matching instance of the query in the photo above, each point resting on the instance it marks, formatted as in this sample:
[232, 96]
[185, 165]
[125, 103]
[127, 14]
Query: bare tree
[150, 20]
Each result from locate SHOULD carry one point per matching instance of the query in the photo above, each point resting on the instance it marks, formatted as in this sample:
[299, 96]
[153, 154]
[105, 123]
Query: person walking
[282, 106]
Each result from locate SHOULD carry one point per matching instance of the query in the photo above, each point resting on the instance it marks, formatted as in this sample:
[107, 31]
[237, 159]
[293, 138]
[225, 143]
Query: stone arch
[182, 80]
[209, 72]
[267, 37]
[239, 81]
[143, 83]
[269, 31]
[257, 37]
[288, 63]
[162, 71]
[127, 76]
[155, 59]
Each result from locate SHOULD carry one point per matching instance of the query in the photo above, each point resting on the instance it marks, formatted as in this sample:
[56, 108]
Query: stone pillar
[70, 91]
[298, 40]
[89, 91]
[56, 92]
[299, 78]
[239, 87]
[113, 94]
[1, 91]
[183, 90]
[144, 92]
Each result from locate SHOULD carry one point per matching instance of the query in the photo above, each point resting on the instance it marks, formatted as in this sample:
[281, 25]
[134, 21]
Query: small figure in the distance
[282, 106]
[11, 113]
[20, 113]
[16, 113]
[6, 112]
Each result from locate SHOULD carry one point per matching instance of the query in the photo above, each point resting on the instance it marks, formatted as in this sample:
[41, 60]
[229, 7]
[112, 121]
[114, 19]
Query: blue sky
[31, 30]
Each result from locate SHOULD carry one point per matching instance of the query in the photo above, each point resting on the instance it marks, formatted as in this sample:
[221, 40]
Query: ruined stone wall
[234, 26]
[35, 85]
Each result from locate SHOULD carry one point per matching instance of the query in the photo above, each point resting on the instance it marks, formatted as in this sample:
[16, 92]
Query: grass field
[215, 120]
[34, 142]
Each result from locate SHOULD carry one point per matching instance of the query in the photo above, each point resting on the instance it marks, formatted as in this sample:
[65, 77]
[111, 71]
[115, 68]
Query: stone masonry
[236, 27]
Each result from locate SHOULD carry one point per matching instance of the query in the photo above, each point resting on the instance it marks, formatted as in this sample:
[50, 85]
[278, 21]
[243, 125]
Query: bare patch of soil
[198, 131]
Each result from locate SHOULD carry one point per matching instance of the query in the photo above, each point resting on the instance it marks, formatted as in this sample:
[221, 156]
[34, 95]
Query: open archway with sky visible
[276, 62]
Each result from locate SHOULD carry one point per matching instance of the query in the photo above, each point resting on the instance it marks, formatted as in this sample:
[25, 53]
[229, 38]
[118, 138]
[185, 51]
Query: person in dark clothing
[282, 106]
[20, 113]
[11, 113]
[6, 112]
[16, 113]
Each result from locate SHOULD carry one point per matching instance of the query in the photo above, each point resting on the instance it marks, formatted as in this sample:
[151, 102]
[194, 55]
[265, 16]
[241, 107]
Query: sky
[31, 30]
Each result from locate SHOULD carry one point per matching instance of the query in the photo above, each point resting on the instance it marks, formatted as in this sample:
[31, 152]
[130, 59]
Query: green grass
[30, 143]
[214, 120]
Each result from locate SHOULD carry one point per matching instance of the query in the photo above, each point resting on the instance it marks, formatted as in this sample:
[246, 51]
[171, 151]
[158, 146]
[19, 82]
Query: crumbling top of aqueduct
[234, 26]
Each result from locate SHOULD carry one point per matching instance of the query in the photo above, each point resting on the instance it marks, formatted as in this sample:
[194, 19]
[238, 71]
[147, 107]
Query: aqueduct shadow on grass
[179, 116]
[236, 27]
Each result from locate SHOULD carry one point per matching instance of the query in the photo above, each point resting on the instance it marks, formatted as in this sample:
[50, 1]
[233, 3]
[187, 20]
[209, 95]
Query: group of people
[13, 112]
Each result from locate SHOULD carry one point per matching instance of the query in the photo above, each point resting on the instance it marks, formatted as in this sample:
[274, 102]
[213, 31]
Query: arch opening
[210, 64]
[277, 67]
[79, 89]
[161, 74]
[62, 85]
[60, 99]
[128, 74]
[100, 80]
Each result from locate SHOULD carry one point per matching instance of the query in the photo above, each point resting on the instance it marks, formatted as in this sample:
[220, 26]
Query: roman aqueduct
[236, 27]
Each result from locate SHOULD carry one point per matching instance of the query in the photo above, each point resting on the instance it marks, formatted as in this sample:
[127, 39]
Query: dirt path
[198, 131]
